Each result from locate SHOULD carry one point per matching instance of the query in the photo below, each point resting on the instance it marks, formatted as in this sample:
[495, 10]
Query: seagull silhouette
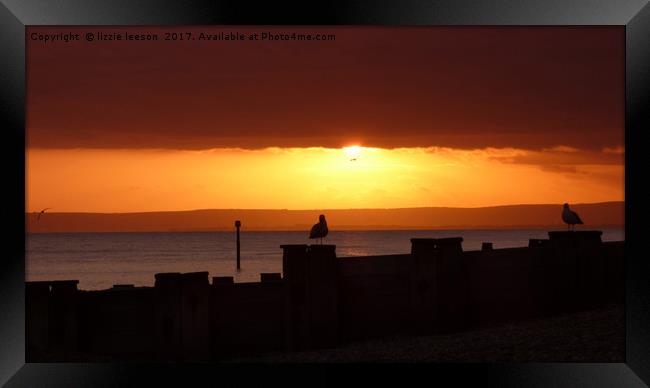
[570, 217]
[319, 229]
[353, 159]
[38, 218]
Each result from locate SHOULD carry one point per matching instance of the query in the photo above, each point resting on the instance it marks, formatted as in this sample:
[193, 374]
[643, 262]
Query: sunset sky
[379, 117]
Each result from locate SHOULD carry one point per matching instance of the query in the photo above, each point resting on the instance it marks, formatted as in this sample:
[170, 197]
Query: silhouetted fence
[324, 301]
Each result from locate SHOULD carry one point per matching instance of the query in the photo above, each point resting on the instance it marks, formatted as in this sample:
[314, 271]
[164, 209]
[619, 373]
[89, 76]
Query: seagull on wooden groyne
[570, 217]
[38, 218]
[319, 230]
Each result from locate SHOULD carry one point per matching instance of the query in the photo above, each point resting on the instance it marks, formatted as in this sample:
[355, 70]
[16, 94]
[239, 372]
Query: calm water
[99, 260]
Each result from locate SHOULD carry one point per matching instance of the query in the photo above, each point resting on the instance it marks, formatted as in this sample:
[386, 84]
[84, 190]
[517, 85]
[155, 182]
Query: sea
[101, 260]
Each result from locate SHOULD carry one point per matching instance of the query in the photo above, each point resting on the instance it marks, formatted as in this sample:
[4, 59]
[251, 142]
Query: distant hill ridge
[594, 215]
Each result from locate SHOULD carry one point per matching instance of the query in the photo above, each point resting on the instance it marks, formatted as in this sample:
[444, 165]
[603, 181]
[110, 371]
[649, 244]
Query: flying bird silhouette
[319, 230]
[570, 217]
[353, 159]
[38, 218]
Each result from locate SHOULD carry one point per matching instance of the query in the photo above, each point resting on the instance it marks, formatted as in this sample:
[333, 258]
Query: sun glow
[312, 178]
[353, 151]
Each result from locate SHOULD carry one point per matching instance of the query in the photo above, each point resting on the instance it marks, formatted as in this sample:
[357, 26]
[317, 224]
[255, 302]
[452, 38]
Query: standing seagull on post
[319, 229]
[570, 217]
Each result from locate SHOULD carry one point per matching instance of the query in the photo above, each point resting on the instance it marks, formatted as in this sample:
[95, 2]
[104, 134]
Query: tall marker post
[238, 225]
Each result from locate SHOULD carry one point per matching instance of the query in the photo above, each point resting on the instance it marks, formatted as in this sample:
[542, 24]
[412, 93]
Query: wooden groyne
[323, 300]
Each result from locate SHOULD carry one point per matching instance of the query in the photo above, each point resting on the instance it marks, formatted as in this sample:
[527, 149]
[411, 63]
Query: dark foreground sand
[590, 336]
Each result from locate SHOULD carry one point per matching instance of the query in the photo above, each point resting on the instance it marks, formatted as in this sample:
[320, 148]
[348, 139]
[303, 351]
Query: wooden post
[310, 278]
[322, 296]
[580, 271]
[294, 271]
[37, 320]
[438, 294]
[195, 316]
[63, 327]
[168, 310]
[238, 225]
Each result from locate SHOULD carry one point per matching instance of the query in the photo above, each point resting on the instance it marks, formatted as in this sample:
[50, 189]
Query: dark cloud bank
[464, 87]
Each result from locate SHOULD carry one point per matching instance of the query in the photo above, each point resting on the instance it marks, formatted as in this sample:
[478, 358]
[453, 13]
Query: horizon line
[329, 209]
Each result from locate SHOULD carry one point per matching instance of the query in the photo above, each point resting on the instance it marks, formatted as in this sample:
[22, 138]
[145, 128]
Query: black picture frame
[15, 15]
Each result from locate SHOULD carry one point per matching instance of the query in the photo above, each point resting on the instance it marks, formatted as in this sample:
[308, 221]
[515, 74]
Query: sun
[352, 151]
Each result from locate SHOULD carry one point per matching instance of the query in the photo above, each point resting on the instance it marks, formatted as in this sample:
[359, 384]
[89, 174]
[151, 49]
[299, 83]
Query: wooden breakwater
[324, 301]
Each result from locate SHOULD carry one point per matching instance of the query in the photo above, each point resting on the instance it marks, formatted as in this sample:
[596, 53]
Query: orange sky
[313, 178]
[461, 117]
